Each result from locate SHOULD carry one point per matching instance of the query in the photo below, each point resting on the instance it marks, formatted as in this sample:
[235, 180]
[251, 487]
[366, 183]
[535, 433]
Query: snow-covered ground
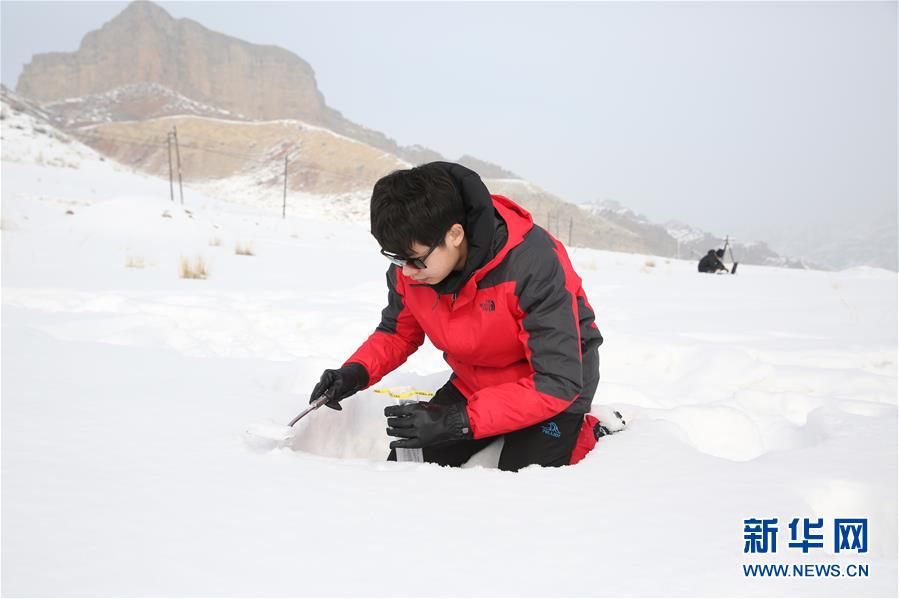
[127, 392]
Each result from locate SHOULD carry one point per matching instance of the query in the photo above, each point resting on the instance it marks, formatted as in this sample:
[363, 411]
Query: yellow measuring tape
[403, 392]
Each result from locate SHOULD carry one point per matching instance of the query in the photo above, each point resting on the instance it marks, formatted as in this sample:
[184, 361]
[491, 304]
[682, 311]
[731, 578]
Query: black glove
[424, 424]
[340, 384]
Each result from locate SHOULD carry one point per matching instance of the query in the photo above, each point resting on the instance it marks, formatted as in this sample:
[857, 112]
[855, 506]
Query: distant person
[498, 295]
[713, 262]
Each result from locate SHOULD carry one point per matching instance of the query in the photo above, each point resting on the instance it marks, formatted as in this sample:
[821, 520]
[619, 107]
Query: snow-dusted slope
[29, 139]
[680, 240]
[134, 101]
[127, 391]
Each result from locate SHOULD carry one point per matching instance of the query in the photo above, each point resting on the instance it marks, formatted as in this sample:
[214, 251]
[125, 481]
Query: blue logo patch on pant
[552, 429]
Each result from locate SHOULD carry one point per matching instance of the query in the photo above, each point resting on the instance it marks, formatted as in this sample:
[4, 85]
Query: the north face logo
[488, 306]
[552, 429]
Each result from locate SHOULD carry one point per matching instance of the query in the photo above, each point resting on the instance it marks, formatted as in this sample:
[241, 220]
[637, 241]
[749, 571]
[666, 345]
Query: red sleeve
[395, 339]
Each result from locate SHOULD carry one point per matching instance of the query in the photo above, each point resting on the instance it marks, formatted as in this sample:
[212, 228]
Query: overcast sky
[758, 119]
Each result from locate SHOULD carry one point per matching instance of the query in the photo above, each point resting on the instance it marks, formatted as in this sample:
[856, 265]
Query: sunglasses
[418, 263]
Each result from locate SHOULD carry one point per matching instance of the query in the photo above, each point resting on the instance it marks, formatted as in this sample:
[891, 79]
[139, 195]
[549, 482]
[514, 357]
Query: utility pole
[178, 156]
[284, 208]
[168, 138]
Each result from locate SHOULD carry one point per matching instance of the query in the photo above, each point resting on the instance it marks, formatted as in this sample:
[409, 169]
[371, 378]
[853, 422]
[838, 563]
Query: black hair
[417, 205]
[719, 253]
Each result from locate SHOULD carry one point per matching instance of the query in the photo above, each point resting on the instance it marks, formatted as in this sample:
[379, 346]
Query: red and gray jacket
[514, 325]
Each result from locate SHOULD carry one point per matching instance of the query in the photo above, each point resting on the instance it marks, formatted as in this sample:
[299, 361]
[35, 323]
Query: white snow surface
[127, 394]
[26, 139]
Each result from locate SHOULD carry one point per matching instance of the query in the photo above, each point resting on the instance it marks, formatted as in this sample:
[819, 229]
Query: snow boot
[594, 428]
[609, 426]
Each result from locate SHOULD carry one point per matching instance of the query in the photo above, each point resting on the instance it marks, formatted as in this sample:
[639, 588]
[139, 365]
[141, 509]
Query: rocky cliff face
[143, 44]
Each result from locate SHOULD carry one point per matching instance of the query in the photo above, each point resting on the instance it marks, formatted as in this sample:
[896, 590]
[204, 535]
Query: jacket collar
[493, 225]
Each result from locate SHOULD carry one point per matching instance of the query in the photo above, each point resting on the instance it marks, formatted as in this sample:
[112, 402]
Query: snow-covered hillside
[678, 239]
[30, 140]
[127, 392]
[133, 101]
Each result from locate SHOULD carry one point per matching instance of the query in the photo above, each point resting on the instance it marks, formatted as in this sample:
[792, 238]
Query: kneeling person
[498, 295]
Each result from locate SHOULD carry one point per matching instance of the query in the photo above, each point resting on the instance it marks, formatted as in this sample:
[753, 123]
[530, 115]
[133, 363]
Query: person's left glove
[424, 424]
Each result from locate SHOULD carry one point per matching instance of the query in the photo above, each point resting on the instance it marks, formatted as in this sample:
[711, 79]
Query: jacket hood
[493, 225]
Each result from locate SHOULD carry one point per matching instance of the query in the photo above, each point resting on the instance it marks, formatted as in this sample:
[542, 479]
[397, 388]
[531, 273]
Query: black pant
[547, 443]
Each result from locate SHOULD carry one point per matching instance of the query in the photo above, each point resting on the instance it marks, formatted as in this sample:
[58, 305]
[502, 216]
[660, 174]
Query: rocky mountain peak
[144, 44]
[142, 13]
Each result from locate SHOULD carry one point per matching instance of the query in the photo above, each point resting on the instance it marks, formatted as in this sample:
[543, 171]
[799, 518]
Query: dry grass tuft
[215, 242]
[243, 250]
[134, 262]
[648, 265]
[197, 270]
